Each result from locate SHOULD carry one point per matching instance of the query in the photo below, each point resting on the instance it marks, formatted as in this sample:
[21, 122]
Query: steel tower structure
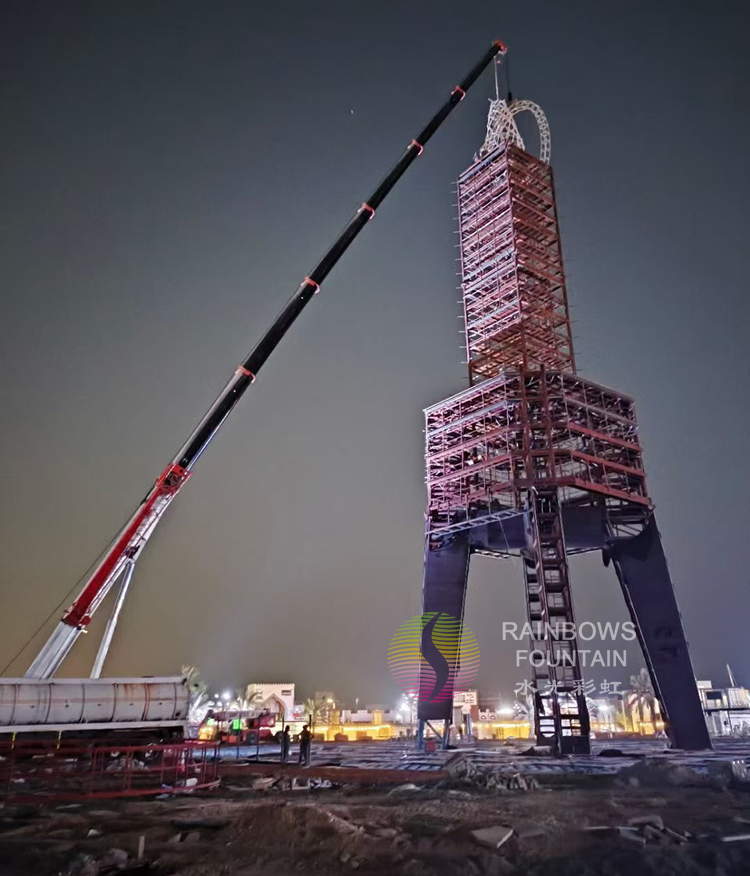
[535, 460]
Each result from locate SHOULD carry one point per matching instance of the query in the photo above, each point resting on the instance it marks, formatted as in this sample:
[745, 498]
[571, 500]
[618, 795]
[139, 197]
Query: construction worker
[305, 739]
[236, 727]
[286, 743]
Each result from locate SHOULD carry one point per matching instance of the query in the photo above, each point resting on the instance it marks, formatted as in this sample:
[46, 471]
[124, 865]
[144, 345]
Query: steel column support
[446, 738]
[642, 569]
[446, 571]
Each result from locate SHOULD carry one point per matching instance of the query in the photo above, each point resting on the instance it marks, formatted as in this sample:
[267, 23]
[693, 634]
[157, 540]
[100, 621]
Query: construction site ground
[487, 809]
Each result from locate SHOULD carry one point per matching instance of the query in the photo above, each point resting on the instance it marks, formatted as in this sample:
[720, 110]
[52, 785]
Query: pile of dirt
[654, 772]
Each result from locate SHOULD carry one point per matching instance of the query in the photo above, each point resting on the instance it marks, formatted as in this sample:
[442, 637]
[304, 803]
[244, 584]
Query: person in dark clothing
[305, 738]
[286, 742]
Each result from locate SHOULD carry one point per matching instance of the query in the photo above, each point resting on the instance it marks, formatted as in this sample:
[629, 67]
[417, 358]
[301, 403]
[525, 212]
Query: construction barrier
[79, 770]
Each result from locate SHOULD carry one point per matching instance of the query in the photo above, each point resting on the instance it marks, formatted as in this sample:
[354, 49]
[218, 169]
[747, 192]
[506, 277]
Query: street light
[411, 698]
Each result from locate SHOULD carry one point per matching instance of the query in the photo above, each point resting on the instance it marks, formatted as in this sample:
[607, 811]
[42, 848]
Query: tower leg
[561, 714]
[642, 569]
[446, 734]
[446, 571]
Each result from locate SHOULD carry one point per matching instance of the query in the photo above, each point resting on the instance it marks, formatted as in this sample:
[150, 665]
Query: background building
[727, 709]
[274, 696]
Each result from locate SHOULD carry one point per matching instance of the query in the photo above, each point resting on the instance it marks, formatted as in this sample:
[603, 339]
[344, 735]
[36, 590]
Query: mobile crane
[117, 564]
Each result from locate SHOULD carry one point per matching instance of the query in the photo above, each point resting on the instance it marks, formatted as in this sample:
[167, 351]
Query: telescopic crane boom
[118, 561]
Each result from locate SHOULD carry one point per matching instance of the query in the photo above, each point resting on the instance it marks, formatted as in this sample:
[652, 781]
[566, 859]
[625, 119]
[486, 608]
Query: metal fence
[78, 770]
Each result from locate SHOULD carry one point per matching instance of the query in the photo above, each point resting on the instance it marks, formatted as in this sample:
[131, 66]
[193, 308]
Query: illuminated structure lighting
[535, 460]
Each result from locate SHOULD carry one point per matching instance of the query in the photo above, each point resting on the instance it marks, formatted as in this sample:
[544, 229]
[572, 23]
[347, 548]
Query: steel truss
[527, 428]
[535, 460]
[562, 716]
[513, 283]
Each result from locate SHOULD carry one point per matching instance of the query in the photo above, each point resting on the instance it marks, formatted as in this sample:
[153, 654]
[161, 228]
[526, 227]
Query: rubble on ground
[538, 751]
[642, 829]
[472, 818]
[495, 837]
[469, 772]
[407, 788]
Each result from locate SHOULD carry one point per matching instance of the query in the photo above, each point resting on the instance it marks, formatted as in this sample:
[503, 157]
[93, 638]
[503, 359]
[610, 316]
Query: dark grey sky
[169, 171]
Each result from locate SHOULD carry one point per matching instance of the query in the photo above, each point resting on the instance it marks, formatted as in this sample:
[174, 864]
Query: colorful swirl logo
[432, 655]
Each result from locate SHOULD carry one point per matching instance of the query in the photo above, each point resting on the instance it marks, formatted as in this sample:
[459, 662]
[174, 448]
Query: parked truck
[134, 708]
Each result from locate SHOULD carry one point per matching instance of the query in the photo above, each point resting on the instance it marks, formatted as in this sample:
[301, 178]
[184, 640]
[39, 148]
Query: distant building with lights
[481, 717]
[727, 709]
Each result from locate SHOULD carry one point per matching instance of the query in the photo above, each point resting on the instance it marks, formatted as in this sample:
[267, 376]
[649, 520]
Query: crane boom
[119, 558]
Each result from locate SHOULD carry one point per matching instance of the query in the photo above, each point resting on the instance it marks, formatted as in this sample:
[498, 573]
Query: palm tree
[197, 689]
[593, 708]
[316, 709]
[641, 694]
[249, 698]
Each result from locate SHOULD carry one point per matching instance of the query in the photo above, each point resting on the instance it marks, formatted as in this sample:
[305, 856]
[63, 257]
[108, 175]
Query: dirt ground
[247, 828]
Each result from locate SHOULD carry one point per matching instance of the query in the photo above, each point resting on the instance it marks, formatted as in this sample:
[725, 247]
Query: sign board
[465, 698]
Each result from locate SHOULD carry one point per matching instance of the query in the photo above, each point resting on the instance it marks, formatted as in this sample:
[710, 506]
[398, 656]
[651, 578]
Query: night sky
[169, 171]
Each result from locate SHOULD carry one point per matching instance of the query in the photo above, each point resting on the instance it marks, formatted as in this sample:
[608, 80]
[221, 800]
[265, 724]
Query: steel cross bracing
[119, 558]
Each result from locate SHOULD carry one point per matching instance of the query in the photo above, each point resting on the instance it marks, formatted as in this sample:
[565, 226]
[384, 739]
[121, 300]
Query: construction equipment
[81, 707]
[240, 726]
[118, 561]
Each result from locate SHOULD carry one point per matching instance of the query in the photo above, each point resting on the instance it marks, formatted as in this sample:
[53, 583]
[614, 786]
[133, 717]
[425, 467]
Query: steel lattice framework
[532, 459]
[518, 430]
[513, 283]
